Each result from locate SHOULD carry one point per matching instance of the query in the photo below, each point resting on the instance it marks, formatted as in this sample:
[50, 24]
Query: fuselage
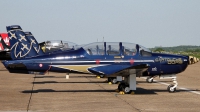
[81, 61]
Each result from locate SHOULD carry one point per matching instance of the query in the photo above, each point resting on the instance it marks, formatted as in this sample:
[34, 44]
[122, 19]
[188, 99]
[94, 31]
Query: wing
[119, 70]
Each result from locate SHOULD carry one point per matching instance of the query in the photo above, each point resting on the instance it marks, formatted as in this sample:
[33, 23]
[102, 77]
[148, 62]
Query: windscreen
[145, 52]
[55, 45]
[129, 49]
[96, 48]
[112, 48]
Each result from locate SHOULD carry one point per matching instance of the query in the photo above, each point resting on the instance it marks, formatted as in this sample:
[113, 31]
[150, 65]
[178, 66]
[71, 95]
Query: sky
[149, 23]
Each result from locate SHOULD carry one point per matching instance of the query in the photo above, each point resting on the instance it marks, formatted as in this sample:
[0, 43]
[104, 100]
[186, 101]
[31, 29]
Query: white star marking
[33, 41]
[22, 38]
[24, 46]
[12, 35]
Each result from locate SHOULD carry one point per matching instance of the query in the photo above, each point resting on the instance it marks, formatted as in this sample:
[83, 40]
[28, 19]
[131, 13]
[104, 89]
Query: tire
[170, 88]
[109, 79]
[101, 76]
[114, 81]
[149, 80]
[120, 86]
[126, 90]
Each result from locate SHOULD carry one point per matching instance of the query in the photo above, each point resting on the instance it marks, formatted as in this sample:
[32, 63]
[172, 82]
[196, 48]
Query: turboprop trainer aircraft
[111, 59]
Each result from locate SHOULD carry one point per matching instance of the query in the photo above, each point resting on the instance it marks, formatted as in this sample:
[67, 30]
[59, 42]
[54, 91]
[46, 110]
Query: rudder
[34, 42]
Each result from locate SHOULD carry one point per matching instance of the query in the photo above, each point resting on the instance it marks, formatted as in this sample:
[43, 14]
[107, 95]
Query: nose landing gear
[172, 87]
[149, 79]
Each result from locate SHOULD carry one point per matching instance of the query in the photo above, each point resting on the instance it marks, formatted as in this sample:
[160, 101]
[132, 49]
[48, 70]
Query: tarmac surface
[86, 93]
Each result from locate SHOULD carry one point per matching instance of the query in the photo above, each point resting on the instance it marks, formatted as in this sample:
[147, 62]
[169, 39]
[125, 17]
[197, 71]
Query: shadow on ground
[139, 91]
[50, 82]
[64, 77]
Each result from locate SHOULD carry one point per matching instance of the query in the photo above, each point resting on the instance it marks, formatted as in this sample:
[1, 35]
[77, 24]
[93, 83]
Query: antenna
[103, 39]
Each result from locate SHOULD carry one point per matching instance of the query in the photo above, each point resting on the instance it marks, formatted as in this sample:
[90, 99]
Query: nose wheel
[149, 79]
[172, 87]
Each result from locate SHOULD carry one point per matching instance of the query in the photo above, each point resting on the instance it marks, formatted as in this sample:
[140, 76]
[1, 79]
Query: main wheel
[149, 80]
[109, 79]
[114, 81]
[101, 76]
[120, 86]
[171, 89]
[126, 89]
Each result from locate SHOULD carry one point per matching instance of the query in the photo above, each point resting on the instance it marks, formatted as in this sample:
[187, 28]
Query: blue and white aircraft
[111, 59]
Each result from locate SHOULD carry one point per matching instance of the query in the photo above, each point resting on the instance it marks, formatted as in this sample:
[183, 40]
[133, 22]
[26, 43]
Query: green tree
[159, 50]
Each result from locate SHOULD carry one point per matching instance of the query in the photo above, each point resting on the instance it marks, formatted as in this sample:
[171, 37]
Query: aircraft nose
[186, 59]
[185, 63]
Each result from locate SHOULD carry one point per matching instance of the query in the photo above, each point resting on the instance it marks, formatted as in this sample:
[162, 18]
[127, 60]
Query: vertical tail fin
[34, 42]
[20, 46]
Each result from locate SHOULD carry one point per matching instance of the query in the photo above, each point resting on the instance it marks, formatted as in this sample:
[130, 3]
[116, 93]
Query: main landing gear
[113, 80]
[128, 85]
[101, 76]
[124, 87]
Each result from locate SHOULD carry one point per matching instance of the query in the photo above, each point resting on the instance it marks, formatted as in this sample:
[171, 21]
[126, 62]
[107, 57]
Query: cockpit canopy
[113, 48]
[55, 45]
